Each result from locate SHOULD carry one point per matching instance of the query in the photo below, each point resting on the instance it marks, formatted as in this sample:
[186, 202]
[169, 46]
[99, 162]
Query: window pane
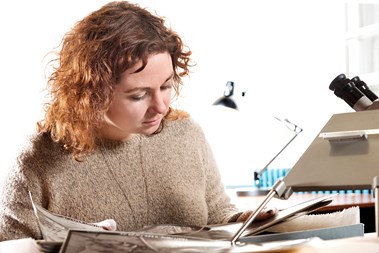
[368, 14]
[367, 60]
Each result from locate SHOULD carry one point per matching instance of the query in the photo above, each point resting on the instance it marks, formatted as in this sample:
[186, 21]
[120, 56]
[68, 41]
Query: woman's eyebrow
[171, 76]
[147, 88]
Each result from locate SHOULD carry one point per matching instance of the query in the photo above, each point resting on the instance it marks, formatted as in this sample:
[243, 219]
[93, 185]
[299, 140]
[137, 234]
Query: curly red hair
[93, 55]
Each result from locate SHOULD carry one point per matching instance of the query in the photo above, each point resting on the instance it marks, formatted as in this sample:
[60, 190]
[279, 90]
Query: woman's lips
[153, 122]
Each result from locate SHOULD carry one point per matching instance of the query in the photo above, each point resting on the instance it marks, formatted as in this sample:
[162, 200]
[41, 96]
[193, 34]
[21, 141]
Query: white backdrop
[283, 54]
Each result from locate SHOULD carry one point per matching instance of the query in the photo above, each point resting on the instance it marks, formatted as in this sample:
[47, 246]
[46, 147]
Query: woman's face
[141, 99]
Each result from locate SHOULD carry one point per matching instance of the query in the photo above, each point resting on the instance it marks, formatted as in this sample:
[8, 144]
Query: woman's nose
[158, 103]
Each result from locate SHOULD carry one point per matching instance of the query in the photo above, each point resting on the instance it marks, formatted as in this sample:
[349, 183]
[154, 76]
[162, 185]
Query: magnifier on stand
[333, 158]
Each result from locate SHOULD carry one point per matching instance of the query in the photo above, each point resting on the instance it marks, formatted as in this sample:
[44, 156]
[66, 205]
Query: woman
[110, 146]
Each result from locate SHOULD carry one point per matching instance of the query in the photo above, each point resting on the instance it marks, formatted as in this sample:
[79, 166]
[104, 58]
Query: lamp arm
[258, 172]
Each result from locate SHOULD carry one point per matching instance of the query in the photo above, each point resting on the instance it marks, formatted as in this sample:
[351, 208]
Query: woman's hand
[109, 224]
[266, 213]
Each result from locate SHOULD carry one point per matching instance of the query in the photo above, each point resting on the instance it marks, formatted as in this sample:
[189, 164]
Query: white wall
[283, 54]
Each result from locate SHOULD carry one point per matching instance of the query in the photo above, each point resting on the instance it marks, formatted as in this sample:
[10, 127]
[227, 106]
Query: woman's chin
[153, 129]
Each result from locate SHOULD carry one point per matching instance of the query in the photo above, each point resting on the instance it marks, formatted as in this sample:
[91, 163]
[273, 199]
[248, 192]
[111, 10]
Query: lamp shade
[227, 100]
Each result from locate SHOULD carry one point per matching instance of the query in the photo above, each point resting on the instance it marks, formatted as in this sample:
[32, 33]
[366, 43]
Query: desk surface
[366, 244]
[339, 202]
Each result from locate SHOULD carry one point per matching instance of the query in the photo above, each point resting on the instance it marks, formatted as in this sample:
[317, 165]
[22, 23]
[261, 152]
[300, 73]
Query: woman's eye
[166, 86]
[138, 97]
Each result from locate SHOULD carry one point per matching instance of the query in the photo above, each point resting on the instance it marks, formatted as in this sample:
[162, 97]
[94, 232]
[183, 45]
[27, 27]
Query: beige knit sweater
[167, 178]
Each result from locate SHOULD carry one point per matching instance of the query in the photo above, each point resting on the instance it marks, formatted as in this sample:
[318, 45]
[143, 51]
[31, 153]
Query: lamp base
[252, 191]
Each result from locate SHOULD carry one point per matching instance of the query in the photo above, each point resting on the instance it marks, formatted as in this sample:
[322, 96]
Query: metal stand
[256, 190]
[375, 187]
[279, 190]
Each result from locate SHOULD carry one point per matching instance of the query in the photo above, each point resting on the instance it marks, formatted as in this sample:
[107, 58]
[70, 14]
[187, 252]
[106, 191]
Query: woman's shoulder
[184, 124]
[40, 148]
[42, 143]
[36, 156]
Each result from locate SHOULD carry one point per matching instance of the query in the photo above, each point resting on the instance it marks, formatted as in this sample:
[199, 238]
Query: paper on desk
[54, 227]
[99, 242]
[349, 216]
[227, 231]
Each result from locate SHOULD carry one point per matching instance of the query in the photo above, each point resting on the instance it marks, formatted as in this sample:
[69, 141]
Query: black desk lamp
[227, 99]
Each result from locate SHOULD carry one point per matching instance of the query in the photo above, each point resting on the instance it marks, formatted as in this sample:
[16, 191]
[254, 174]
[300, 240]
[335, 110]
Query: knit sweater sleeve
[220, 208]
[17, 219]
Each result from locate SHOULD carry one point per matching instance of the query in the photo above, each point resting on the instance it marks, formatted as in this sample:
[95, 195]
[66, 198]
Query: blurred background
[280, 55]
